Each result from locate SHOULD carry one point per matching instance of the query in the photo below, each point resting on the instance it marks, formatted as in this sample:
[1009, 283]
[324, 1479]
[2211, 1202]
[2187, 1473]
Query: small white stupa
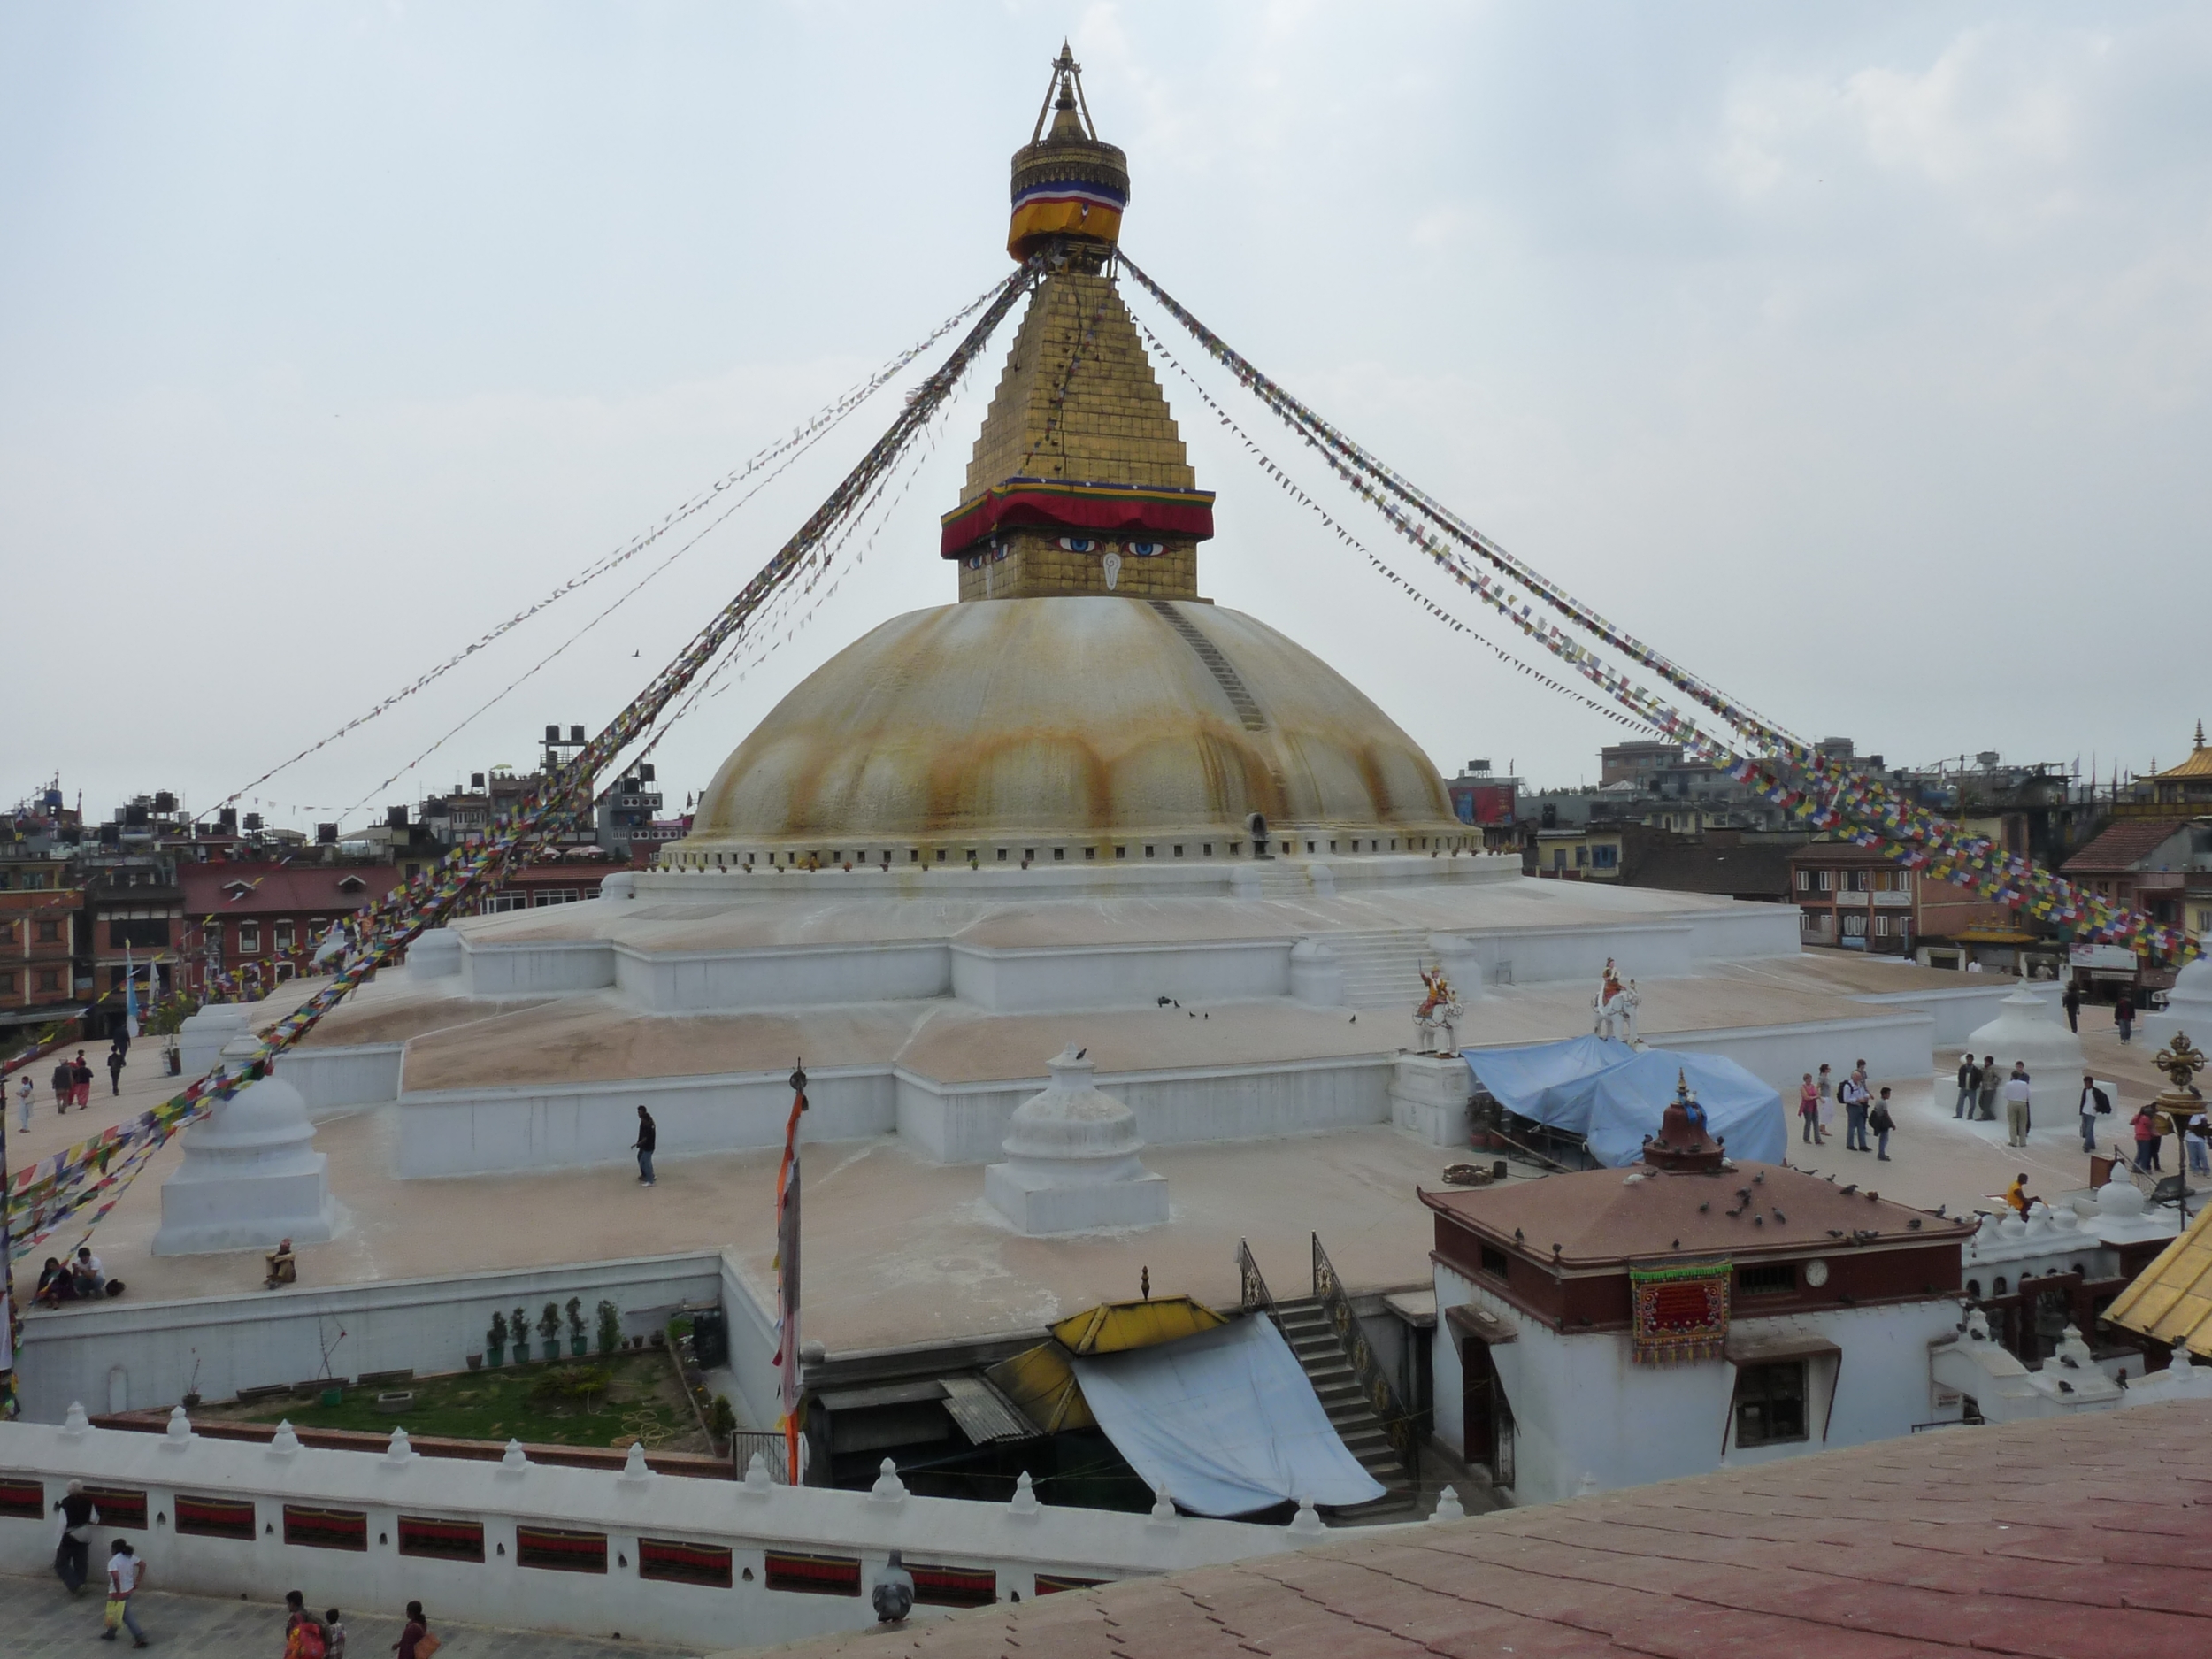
[250, 1177]
[2188, 1009]
[1071, 1160]
[2025, 1029]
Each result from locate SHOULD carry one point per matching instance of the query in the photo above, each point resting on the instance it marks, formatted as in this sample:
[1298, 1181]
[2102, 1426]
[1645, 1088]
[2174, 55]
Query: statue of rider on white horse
[1614, 1009]
[1439, 1007]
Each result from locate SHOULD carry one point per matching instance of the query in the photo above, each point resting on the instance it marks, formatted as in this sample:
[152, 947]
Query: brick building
[266, 919]
[37, 961]
[1860, 898]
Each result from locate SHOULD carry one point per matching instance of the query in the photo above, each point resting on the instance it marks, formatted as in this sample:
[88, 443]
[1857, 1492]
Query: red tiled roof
[2070, 1536]
[281, 889]
[2124, 847]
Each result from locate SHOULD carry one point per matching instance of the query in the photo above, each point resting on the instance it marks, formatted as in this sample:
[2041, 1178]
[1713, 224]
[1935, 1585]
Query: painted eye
[1078, 543]
[1146, 550]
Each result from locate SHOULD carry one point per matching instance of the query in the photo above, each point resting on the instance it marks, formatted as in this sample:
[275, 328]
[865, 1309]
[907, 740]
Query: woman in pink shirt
[1809, 1108]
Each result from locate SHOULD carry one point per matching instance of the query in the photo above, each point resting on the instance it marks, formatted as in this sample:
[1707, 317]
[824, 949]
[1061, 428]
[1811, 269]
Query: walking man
[2093, 1101]
[1855, 1097]
[64, 1081]
[2016, 1106]
[1880, 1121]
[72, 1555]
[1969, 1084]
[23, 1105]
[1990, 1082]
[2123, 1016]
[115, 1070]
[643, 1147]
[126, 1572]
[2071, 1003]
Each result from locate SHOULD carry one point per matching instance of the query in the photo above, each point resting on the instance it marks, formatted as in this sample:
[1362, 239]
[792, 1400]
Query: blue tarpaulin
[1612, 1096]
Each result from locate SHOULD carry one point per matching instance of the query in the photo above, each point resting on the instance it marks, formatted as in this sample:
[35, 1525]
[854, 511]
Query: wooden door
[1487, 1414]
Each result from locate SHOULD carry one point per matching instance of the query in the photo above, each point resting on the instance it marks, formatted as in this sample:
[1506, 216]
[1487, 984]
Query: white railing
[703, 1563]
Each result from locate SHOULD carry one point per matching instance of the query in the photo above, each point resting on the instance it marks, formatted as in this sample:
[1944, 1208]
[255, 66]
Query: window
[1804, 881]
[1854, 880]
[50, 979]
[283, 937]
[1604, 857]
[1770, 1404]
[7, 933]
[212, 938]
[1773, 1279]
[249, 939]
[144, 932]
[7, 983]
[1881, 924]
[1827, 880]
[1853, 925]
[1559, 857]
[1494, 1261]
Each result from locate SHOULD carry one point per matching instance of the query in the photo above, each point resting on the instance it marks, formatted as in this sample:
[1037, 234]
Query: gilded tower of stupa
[1078, 483]
[1082, 704]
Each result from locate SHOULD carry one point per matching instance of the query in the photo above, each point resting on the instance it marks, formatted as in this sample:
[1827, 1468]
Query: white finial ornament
[1448, 1507]
[1306, 1522]
[1025, 1497]
[888, 1487]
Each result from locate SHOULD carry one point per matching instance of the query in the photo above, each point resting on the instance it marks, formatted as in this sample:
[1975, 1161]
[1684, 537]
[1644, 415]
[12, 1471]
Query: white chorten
[2188, 1009]
[1071, 1160]
[250, 1177]
[2025, 1029]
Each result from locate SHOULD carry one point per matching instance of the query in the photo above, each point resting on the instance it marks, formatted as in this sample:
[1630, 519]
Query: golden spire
[1068, 189]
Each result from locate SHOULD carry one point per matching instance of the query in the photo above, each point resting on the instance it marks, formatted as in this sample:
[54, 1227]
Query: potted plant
[609, 1327]
[495, 1340]
[192, 1388]
[549, 1332]
[520, 1326]
[576, 1327]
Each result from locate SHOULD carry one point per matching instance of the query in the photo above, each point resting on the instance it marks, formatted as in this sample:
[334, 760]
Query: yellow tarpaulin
[1040, 1379]
[2172, 1299]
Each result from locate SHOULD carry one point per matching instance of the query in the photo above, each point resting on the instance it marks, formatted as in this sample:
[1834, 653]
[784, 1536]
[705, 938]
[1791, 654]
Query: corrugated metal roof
[2172, 1299]
[983, 1413]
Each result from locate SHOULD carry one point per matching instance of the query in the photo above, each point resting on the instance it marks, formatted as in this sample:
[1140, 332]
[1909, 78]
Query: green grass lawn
[529, 1402]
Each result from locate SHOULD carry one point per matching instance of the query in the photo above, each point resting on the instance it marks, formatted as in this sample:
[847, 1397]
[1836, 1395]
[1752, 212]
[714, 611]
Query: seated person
[283, 1266]
[54, 1285]
[2017, 1194]
[86, 1272]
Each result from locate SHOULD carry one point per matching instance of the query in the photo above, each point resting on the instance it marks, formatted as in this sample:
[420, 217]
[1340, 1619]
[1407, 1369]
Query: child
[333, 1635]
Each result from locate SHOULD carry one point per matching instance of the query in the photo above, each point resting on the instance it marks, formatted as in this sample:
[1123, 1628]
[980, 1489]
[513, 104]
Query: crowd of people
[1865, 1110]
[72, 1081]
[305, 1636]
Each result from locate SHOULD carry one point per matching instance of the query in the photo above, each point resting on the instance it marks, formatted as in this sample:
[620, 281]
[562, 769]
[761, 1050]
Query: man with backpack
[1855, 1094]
[303, 1637]
[2094, 1101]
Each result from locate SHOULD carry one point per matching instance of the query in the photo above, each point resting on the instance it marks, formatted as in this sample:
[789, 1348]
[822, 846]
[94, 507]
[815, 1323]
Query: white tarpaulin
[1225, 1420]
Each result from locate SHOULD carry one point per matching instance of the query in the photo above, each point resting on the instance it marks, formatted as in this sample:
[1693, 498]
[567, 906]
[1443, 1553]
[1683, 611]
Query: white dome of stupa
[2024, 1030]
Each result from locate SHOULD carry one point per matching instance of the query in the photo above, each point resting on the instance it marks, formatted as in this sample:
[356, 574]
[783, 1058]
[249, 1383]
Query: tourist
[2093, 1101]
[115, 1070]
[81, 1069]
[2123, 1016]
[125, 1574]
[302, 1632]
[643, 1146]
[72, 1555]
[1990, 1084]
[55, 1286]
[65, 1080]
[1970, 1084]
[2146, 1139]
[2071, 1003]
[88, 1271]
[334, 1634]
[1854, 1095]
[416, 1642]
[2196, 1138]
[1808, 1110]
[23, 1105]
[1880, 1120]
[1827, 1108]
[2017, 1097]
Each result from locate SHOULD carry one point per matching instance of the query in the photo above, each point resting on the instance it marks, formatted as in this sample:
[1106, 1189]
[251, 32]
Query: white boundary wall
[748, 1519]
[130, 1355]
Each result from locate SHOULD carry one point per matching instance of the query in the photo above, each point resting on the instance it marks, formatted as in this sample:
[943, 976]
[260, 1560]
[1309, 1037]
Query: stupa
[1071, 1163]
[1082, 700]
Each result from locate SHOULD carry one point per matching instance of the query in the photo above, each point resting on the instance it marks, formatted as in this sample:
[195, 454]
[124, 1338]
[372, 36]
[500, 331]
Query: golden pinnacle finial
[1068, 189]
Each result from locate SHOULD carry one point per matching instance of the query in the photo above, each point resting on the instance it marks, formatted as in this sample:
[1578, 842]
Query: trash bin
[710, 1338]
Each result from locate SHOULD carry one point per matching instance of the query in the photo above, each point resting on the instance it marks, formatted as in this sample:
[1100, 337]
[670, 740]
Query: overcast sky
[1857, 355]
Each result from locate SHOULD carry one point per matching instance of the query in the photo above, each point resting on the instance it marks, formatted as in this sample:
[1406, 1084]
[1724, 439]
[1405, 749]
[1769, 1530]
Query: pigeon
[1831, 1178]
[2064, 1387]
[1516, 1236]
[1835, 1232]
[2069, 1361]
[1080, 1053]
[1780, 1218]
[1940, 1208]
[1758, 1221]
[1914, 1224]
[1676, 1245]
[1851, 1189]
[1758, 1177]
[1165, 1001]
[1355, 1020]
[1704, 1207]
[1186, 1013]
[1205, 1016]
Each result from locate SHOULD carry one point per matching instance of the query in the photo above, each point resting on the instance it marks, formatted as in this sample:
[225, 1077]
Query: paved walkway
[42, 1621]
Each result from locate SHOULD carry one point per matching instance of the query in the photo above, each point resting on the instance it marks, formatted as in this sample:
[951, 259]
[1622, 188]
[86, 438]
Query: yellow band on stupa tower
[1067, 184]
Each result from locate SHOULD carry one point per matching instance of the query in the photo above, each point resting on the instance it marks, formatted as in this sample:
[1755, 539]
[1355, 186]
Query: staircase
[1382, 969]
[1285, 881]
[1305, 1326]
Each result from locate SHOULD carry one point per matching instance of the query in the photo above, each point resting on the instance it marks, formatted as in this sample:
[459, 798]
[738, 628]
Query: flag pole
[787, 1266]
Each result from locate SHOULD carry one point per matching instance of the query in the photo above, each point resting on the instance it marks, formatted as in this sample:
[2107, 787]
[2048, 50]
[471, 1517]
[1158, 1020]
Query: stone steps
[1305, 1325]
[1382, 969]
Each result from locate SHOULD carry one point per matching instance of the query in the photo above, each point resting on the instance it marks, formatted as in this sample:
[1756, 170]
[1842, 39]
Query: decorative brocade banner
[1680, 1313]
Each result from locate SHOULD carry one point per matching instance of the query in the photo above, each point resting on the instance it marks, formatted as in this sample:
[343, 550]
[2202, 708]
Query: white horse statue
[1439, 1008]
[1614, 1007]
